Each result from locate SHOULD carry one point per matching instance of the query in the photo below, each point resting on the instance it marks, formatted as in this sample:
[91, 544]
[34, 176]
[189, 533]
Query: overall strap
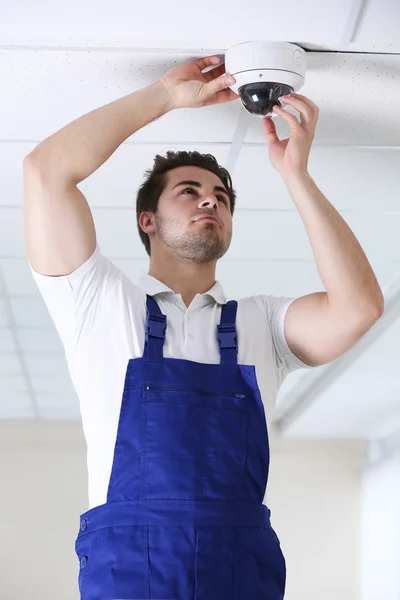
[156, 325]
[227, 334]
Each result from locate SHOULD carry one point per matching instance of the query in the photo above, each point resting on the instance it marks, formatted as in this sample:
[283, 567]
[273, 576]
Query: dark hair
[151, 190]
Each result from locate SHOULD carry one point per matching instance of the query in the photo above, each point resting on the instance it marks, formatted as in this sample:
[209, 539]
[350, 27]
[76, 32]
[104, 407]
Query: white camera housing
[264, 71]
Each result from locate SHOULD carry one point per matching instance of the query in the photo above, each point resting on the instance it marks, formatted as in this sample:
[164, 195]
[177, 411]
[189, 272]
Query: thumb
[270, 131]
[213, 87]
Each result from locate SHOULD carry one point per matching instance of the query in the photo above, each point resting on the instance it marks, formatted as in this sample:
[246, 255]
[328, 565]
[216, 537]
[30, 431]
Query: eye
[220, 196]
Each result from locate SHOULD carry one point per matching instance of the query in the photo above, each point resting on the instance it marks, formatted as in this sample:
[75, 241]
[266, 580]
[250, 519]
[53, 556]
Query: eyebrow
[217, 188]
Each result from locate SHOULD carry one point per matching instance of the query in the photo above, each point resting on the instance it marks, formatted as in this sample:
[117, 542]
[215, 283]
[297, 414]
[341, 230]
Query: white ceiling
[59, 61]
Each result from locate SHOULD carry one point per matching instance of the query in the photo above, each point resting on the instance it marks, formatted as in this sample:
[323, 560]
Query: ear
[146, 222]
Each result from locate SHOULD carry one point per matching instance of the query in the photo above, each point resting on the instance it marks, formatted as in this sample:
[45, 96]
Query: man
[177, 385]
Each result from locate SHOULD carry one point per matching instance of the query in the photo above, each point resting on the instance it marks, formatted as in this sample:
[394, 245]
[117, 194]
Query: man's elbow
[367, 318]
[376, 311]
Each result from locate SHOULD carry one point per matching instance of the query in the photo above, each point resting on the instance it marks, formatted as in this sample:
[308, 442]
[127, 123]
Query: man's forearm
[80, 148]
[344, 269]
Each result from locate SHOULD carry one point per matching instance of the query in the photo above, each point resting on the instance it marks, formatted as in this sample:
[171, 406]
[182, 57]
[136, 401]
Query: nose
[210, 202]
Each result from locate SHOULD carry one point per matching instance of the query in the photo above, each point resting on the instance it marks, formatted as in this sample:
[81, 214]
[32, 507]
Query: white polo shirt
[100, 315]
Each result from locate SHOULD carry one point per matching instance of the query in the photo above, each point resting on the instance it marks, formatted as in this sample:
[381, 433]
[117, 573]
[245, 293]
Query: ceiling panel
[4, 321]
[216, 25]
[16, 405]
[30, 312]
[9, 363]
[7, 343]
[352, 178]
[40, 341]
[351, 407]
[9, 384]
[62, 86]
[363, 417]
[363, 401]
[356, 95]
[66, 411]
[51, 384]
[378, 29]
[280, 278]
[40, 364]
[52, 25]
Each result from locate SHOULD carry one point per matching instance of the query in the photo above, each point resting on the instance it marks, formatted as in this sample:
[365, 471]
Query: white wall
[314, 496]
[381, 531]
[315, 501]
[43, 489]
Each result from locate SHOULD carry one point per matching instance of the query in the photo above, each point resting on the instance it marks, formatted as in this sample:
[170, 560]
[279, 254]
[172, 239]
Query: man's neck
[184, 277]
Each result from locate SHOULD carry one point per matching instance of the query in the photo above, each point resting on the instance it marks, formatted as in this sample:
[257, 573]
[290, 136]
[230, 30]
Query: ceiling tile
[7, 343]
[50, 399]
[41, 75]
[40, 340]
[47, 364]
[58, 385]
[13, 411]
[351, 178]
[10, 384]
[15, 398]
[4, 318]
[356, 96]
[136, 25]
[281, 278]
[378, 29]
[59, 412]
[9, 364]
[30, 312]
[360, 402]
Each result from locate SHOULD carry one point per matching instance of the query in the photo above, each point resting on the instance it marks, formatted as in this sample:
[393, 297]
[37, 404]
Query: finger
[221, 97]
[208, 61]
[214, 73]
[270, 131]
[305, 100]
[216, 85]
[308, 117]
[294, 124]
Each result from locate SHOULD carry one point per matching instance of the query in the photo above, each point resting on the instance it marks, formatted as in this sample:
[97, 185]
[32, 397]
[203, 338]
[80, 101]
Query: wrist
[298, 184]
[163, 95]
[296, 177]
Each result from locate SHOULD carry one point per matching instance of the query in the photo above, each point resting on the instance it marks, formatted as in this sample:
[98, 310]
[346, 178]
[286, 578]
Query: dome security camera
[265, 71]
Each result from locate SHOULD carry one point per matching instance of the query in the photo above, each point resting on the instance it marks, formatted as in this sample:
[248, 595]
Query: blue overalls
[184, 518]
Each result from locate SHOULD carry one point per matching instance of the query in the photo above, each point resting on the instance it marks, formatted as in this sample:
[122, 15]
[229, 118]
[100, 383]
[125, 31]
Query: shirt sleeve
[286, 360]
[76, 300]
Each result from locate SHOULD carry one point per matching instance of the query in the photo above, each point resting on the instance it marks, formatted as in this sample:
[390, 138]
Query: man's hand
[188, 87]
[290, 156]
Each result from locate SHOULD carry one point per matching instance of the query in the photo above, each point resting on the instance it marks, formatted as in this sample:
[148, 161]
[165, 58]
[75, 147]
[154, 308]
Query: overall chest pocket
[193, 443]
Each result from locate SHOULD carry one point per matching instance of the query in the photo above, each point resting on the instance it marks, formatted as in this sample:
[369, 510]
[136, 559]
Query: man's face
[180, 222]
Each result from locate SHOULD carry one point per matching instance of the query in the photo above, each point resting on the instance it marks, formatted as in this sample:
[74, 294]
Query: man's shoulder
[269, 305]
[253, 302]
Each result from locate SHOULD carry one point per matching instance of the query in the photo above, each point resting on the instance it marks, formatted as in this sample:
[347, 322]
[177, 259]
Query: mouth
[208, 219]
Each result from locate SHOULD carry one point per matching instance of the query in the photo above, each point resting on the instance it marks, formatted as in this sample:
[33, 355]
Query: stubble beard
[197, 246]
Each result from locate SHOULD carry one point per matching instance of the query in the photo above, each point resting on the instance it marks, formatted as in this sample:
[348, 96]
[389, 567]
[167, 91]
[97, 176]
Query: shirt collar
[152, 286]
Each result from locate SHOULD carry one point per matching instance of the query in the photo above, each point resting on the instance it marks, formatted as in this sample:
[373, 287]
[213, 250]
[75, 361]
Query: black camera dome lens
[259, 98]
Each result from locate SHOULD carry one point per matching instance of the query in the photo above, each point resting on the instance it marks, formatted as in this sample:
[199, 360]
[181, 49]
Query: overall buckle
[156, 326]
[227, 337]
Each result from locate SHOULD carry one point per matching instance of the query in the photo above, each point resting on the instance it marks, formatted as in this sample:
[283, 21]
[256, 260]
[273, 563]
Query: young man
[177, 385]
